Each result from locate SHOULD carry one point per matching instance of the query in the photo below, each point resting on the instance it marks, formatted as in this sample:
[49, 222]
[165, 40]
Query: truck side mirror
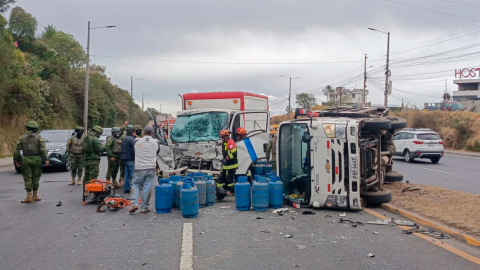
[265, 145]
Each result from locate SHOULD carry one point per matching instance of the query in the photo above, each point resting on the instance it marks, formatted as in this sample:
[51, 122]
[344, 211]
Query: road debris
[59, 203]
[343, 214]
[380, 222]
[281, 210]
[225, 207]
[301, 247]
[202, 232]
[377, 233]
[405, 223]
[74, 217]
[287, 236]
[371, 255]
[60, 213]
[413, 189]
[77, 234]
[354, 223]
[297, 266]
[144, 264]
[259, 218]
[265, 231]
[308, 212]
[428, 232]
[328, 216]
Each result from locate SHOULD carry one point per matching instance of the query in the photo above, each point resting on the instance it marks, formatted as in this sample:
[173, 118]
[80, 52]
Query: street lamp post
[290, 93]
[131, 94]
[143, 94]
[87, 76]
[387, 72]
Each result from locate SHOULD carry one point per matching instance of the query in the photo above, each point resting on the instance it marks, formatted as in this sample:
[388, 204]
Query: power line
[110, 73]
[228, 63]
[434, 11]
[460, 3]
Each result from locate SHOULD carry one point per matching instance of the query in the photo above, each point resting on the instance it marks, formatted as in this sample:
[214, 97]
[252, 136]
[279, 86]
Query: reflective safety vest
[230, 160]
[30, 144]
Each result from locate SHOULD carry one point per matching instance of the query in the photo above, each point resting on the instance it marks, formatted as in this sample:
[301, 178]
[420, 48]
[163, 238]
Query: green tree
[329, 92]
[306, 100]
[5, 5]
[22, 25]
[65, 45]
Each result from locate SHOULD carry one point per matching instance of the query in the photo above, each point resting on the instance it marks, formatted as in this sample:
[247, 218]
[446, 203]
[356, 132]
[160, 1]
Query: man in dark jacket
[128, 158]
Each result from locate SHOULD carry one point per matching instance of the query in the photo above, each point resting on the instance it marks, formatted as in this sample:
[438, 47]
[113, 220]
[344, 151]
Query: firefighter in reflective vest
[230, 162]
[241, 133]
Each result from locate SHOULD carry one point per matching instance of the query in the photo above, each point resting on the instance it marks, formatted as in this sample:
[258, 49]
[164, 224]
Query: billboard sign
[467, 73]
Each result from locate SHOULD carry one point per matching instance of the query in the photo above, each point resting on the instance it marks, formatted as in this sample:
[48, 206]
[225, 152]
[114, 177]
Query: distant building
[468, 92]
[349, 97]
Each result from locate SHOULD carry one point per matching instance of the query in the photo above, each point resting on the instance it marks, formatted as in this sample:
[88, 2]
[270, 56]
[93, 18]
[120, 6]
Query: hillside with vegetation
[42, 78]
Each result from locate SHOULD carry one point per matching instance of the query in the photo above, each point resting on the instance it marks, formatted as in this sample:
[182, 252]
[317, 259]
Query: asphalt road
[36, 236]
[452, 172]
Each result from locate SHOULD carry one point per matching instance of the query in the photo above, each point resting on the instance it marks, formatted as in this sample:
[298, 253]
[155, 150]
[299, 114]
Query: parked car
[56, 142]
[418, 143]
[103, 138]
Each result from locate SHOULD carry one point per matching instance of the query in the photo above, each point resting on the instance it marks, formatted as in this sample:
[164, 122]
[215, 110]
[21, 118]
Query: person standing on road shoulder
[74, 149]
[272, 149]
[92, 150]
[146, 151]
[114, 149]
[128, 157]
[123, 134]
[29, 152]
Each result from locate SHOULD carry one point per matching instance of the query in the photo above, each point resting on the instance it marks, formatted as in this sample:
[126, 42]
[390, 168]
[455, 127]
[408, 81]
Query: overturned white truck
[338, 158]
[193, 144]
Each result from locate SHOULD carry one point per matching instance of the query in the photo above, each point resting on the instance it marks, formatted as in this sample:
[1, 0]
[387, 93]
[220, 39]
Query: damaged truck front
[193, 144]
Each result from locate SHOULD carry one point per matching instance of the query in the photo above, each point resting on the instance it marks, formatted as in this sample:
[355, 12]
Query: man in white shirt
[146, 151]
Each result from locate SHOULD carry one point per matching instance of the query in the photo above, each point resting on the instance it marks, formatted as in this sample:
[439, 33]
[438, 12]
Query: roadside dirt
[456, 209]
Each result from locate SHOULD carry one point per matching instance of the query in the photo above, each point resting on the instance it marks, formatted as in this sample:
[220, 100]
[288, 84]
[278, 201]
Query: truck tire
[393, 176]
[398, 122]
[376, 124]
[377, 198]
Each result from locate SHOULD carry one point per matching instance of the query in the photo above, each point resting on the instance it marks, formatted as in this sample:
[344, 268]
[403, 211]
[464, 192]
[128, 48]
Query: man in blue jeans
[146, 151]
[128, 157]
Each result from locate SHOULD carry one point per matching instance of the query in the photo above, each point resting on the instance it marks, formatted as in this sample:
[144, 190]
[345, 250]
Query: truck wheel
[376, 124]
[393, 176]
[398, 122]
[377, 198]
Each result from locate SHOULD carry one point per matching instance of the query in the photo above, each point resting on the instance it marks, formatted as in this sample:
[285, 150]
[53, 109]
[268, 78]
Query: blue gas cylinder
[202, 190]
[190, 175]
[242, 194]
[267, 169]
[260, 195]
[211, 188]
[275, 192]
[255, 178]
[177, 193]
[174, 179]
[189, 200]
[163, 197]
[257, 170]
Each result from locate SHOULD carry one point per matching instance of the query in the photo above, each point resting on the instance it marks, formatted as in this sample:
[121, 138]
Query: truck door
[257, 124]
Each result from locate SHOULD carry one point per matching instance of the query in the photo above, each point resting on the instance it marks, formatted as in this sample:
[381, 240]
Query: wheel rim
[68, 164]
[407, 156]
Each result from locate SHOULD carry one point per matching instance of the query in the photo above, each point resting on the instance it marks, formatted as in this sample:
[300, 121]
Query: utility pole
[160, 107]
[289, 94]
[131, 94]
[87, 82]
[365, 81]
[87, 76]
[143, 94]
[387, 75]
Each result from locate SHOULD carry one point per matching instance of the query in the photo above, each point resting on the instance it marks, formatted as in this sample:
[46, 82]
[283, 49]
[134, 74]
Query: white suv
[413, 143]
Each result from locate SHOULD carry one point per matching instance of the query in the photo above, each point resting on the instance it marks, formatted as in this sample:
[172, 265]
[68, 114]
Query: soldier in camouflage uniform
[29, 152]
[74, 148]
[114, 149]
[92, 149]
[138, 131]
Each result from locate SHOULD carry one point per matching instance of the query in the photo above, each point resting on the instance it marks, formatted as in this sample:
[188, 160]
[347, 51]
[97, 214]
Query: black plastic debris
[59, 203]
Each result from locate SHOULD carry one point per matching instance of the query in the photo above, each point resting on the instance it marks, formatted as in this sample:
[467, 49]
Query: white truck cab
[337, 158]
[193, 142]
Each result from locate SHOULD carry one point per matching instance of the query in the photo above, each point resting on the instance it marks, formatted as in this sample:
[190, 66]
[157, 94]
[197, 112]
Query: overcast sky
[256, 41]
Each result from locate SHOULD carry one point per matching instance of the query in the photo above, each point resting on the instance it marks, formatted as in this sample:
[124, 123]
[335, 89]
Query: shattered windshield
[199, 127]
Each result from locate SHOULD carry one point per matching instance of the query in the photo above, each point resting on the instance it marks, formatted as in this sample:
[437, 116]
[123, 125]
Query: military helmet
[80, 128]
[137, 127]
[130, 128]
[32, 124]
[98, 129]
[115, 129]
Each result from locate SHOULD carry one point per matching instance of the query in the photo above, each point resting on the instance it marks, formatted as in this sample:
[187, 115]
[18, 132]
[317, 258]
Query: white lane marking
[435, 170]
[186, 260]
[461, 156]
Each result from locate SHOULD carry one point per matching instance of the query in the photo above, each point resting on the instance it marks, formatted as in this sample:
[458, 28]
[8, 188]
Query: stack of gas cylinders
[265, 192]
[186, 193]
